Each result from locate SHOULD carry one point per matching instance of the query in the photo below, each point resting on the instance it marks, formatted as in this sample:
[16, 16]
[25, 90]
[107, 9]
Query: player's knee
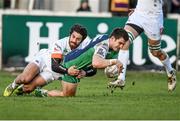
[69, 93]
[21, 79]
[25, 79]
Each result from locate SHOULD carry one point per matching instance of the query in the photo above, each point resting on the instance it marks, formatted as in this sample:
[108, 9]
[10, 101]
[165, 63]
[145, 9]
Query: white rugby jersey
[102, 48]
[154, 6]
[63, 45]
[43, 60]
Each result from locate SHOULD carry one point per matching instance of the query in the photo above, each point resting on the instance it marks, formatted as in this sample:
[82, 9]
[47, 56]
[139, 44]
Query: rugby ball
[111, 71]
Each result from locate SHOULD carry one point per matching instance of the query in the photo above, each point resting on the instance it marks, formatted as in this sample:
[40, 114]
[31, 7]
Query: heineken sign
[25, 35]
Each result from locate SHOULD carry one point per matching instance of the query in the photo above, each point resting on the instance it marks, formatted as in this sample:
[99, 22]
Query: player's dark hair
[79, 29]
[120, 32]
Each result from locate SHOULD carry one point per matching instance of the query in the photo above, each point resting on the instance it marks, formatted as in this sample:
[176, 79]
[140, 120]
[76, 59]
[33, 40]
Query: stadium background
[43, 21]
[102, 19]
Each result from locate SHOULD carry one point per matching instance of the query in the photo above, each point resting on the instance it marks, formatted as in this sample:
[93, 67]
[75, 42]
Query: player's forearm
[90, 71]
[58, 68]
[99, 62]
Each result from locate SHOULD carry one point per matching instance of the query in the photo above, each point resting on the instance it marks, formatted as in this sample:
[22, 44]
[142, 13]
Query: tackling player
[147, 17]
[89, 52]
[46, 66]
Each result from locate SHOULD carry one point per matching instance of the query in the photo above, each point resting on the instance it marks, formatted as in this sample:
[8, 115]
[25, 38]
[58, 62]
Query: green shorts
[81, 61]
[70, 79]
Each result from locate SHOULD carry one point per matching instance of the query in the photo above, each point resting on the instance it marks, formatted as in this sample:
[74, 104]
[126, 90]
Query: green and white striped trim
[155, 47]
[131, 36]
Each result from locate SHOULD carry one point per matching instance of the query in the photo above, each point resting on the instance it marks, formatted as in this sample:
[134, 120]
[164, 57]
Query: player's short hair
[79, 29]
[118, 33]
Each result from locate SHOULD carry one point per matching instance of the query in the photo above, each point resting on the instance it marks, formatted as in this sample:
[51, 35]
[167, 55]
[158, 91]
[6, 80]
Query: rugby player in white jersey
[148, 18]
[46, 66]
[97, 52]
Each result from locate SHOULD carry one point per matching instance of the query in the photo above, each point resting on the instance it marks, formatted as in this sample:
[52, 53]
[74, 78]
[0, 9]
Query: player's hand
[81, 74]
[131, 11]
[120, 66]
[73, 71]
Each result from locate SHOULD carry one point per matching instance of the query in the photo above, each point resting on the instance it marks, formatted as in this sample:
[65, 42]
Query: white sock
[123, 57]
[44, 92]
[167, 65]
[14, 85]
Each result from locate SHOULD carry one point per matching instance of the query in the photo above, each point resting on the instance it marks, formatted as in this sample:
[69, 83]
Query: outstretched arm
[90, 71]
[57, 67]
[87, 72]
[99, 62]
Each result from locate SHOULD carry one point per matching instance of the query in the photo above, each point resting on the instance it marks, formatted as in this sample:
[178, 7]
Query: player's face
[118, 44]
[75, 40]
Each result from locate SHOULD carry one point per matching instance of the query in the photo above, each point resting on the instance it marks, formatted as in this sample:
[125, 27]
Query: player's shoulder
[101, 39]
[102, 36]
[65, 38]
[62, 42]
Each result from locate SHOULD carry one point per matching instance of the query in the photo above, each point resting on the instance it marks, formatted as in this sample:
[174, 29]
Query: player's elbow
[96, 61]
[96, 64]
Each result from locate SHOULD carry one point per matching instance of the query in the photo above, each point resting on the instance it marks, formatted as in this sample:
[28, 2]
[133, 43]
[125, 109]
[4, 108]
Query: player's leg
[153, 30]
[69, 86]
[68, 89]
[123, 55]
[38, 81]
[155, 49]
[134, 29]
[42, 79]
[28, 74]
[30, 71]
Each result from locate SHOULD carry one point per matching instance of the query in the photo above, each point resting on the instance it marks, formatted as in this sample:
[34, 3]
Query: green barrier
[24, 35]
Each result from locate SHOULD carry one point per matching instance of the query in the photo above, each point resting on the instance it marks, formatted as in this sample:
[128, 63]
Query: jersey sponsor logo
[37, 61]
[57, 47]
[157, 2]
[101, 52]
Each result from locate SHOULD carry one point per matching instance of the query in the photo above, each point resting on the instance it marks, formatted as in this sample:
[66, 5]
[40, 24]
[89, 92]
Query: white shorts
[149, 22]
[43, 61]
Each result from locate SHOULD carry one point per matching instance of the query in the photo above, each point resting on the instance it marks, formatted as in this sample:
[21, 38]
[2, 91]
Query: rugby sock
[167, 65]
[123, 57]
[131, 36]
[44, 93]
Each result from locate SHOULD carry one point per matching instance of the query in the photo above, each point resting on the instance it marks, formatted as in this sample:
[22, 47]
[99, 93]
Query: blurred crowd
[170, 6]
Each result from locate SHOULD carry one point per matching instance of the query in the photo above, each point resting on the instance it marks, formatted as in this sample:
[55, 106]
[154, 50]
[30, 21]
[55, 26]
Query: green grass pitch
[147, 99]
